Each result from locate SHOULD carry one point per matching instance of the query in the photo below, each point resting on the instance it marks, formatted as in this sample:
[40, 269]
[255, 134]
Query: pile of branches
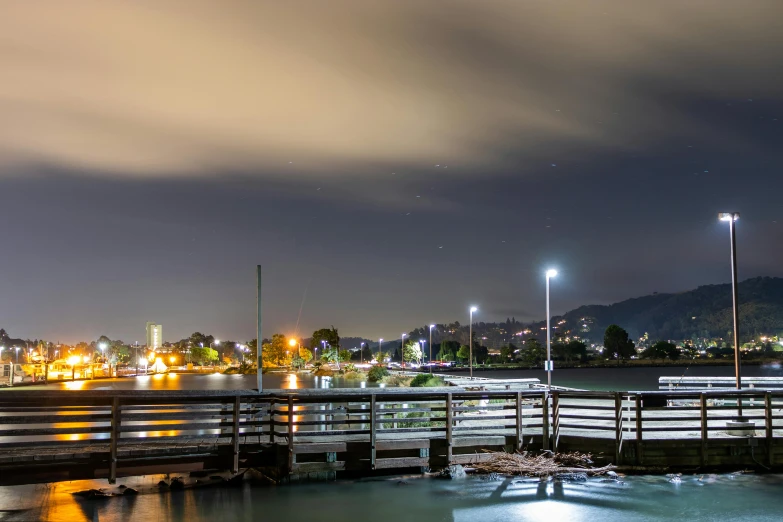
[544, 464]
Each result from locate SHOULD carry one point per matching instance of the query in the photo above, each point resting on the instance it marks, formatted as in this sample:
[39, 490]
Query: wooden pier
[315, 434]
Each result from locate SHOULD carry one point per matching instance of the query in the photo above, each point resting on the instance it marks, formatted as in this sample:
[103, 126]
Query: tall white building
[154, 336]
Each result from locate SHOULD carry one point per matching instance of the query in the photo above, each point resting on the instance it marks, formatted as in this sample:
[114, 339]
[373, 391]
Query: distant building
[154, 336]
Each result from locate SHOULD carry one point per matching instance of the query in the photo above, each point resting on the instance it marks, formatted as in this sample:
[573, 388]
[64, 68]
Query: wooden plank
[518, 411]
[639, 422]
[449, 427]
[290, 433]
[768, 426]
[115, 437]
[704, 428]
[235, 434]
[545, 423]
[373, 434]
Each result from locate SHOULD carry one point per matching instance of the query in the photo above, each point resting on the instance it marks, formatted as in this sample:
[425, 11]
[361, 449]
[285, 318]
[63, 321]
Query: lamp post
[402, 351]
[361, 353]
[380, 344]
[431, 327]
[17, 354]
[470, 340]
[292, 342]
[422, 342]
[323, 351]
[549, 275]
[732, 217]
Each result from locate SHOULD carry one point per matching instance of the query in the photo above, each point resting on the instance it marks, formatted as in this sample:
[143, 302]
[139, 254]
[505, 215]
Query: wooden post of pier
[705, 432]
[618, 427]
[259, 341]
[449, 423]
[768, 425]
[115, 436]
[373, 435]
[290, 433]
[639, 429]
[235, 433]
[272, 420]
[545, 421]
[519, 420]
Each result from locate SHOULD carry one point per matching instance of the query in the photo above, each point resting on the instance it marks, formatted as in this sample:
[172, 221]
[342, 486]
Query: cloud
[173, 88]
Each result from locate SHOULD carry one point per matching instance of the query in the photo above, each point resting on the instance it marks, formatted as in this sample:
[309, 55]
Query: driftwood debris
[544, 464]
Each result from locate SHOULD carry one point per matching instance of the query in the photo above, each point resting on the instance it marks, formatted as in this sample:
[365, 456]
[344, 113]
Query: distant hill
[701, 313]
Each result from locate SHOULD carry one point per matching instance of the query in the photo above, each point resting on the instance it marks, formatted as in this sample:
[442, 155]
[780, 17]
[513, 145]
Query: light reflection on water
[642, 498]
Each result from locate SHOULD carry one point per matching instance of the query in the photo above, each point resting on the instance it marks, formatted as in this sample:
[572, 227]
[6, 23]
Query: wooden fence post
[705, 432]
[449, 423]
[639, 429]
[545, 422]
[373, 435]
[519, 420]
[768, 425]
[235, 433]
[618, 427]
[555, 420]
[290, 433]
[115, 436]
[272, 420]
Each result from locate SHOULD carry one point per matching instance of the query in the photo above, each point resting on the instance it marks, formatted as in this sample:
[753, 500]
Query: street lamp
[17, 354]
[422, 342]
[431, 327]
[361, 353]
[380, 344]
[402, 350]
[323, 343]
[470, 340]
[732, 217]
[549, 275]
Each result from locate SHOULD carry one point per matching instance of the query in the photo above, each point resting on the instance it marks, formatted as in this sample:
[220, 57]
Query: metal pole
[430, 350]
[402, 351]
[259, 343]
[548, 340]
[735, 306]
[470, 344]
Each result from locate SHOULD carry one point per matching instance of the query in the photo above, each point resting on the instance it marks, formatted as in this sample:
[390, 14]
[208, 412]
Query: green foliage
[507, 352]
[569, 352]
[425, 380]
[413, 352]
[377, 373]
[463, 353]
[203, 356]
[617, 343]
[480, 354]
[276, 351]
[329, 335]
[532, 353]
[661, 350]
[448, 350]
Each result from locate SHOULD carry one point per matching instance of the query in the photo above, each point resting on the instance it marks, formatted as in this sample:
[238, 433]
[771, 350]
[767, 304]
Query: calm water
[616, 379]
[641, 498]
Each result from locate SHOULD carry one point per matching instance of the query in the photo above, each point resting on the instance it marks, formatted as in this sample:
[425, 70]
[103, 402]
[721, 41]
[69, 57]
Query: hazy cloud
[185, 88]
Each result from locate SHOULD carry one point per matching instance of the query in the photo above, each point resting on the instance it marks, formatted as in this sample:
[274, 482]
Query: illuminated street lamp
[361, 353]
[732, 217]
[17, 354]
[431, 327]
[470, 340]
[323, 343]
[549, 275]
[422, 342]
[380, 343]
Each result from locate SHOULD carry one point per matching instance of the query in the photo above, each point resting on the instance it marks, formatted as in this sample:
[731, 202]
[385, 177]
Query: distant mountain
[705, 312]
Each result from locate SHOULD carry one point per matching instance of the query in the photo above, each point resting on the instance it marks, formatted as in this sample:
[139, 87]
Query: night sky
[396, 161]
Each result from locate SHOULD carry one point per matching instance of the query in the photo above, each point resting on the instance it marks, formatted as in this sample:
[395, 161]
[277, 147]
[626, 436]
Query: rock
[611, 474]
[92, 493]
[163, 484]
[122, 486]
[573, 477]
[453, 472]
[130, 491]
[403, 483]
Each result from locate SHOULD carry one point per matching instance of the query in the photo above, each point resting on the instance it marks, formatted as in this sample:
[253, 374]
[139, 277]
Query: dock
[705, 383]
[317, 434]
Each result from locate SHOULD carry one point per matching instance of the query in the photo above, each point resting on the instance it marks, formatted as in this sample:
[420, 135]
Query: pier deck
[47, 436]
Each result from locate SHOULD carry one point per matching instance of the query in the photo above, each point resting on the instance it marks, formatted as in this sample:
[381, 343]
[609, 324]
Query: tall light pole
[323, 343]
[549, 275]
[732, 217]
[380, 344]
[431, 327]
[422, 342]
[361, 353]
[402, 351]
[470, 340]
[17, 354]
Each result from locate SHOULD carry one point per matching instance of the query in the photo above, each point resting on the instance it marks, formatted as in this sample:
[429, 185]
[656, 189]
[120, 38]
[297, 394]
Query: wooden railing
[119, 423]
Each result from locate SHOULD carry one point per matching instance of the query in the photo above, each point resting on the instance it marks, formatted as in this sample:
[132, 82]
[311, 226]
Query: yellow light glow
[292, 342]
[172, 359]
[86, 358]
[74, 360]
[151, 356]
